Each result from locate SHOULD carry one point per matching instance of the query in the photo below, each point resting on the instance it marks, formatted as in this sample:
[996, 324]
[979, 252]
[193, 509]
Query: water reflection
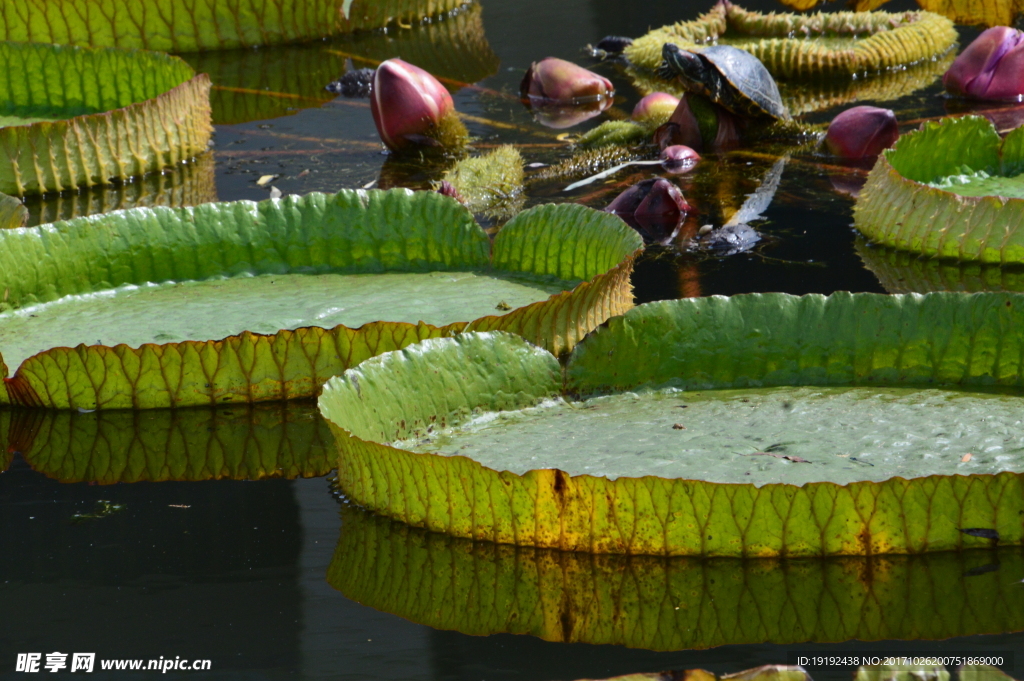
[259, 84]
[252, 442]
[186, 184]
[672, 604]
[903, 272]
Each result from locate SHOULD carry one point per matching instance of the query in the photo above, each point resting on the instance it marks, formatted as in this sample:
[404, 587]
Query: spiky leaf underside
[708, 343]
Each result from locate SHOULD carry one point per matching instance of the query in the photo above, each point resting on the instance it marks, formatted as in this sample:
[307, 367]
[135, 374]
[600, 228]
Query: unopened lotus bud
[655, 109]
[557, 80]
[654, 198]
[410, 107]
[991, 67]
[679, 158]
[862, 132]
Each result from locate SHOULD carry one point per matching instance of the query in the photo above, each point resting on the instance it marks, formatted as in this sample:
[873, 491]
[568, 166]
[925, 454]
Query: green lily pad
[815, 491]
[237, 442]
[808, 46]
[802, 96]
[78, 117]
[482, 588]
[933, 193]
[268, 83]
[146, 295]
[169, 26]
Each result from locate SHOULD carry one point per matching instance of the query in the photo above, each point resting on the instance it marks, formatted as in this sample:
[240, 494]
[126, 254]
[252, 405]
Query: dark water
[236, 571]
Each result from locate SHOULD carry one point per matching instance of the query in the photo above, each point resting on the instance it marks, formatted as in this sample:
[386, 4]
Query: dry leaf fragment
[787, 457]
[678, 426]
[266, 179]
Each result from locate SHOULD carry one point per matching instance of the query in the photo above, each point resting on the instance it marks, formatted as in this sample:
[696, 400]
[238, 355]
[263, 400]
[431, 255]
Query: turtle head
[685, 65]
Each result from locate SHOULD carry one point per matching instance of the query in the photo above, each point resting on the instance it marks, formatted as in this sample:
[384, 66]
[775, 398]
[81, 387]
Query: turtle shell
[746, 87]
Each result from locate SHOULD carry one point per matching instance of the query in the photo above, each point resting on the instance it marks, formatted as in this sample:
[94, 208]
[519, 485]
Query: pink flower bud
[407, 103]
[557, 80]
[655, 106]
[991, 67]
[862, 131]
[678, 159]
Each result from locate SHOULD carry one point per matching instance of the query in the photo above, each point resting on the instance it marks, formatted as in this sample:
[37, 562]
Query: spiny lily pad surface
[483, 588]
[127, 310]
[78, 117]
[673, 431]
[984, 12]
[954, 189]
[802, 46]
[237, 442]
[173, 26]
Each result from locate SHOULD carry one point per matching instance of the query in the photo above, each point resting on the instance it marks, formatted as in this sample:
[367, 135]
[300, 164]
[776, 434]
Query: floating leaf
[834, 43]
[248, 442]
[482, 588]
[135, 280]
[77, 117]
[932, 193]
[802, 96]
[169, 26]
[703, 344]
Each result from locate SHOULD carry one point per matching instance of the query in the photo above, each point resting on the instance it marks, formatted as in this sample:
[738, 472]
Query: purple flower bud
[656, 106]
[448, 189]
[557, 80]
[655, 206]
[679, 158]
[861, 132]
[407, 102]
[991, 67]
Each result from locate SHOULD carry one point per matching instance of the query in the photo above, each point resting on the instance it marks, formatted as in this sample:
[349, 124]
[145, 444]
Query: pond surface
[186, 561]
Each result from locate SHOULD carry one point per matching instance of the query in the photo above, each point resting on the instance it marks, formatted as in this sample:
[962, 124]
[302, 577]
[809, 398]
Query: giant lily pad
[818, 94]
[745, 473]
[77, 117]
[237, 442]
[984, 12]
[170, 26]
[801, 46]
[311, 285]
[953, 189]
[276, 81]
[483, 588]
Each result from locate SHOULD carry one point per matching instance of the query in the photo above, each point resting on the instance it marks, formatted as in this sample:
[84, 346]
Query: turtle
[728, 76]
